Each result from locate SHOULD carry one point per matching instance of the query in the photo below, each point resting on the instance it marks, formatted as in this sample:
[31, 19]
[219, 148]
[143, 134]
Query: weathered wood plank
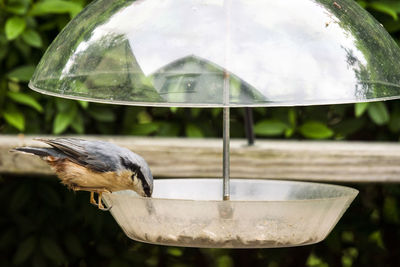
[295, 160]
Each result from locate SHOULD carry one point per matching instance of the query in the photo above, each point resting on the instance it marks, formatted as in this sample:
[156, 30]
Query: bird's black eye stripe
[129, 165]
[134, 168]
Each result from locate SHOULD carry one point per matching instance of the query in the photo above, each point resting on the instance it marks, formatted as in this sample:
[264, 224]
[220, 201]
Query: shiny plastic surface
[260, 214]
[195, 52]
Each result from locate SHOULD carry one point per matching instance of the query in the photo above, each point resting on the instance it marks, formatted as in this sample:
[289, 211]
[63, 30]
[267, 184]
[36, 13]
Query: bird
[94, 166]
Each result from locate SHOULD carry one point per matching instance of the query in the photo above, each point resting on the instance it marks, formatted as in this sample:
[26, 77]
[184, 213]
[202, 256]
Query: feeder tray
[224, 53]
[260, 214]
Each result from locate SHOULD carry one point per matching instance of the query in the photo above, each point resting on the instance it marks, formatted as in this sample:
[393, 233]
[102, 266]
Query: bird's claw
[99, 202]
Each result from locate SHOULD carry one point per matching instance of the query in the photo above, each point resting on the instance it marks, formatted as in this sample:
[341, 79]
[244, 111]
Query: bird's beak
[147, 192]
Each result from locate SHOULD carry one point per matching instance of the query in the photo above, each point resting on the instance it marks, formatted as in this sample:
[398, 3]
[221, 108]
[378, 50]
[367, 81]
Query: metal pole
[226, 137]
[226, 95]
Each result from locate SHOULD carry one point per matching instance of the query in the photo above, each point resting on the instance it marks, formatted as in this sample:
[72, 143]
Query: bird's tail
[38, 151]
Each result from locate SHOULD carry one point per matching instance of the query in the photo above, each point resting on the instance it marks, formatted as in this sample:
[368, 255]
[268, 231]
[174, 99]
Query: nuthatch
[95, 166]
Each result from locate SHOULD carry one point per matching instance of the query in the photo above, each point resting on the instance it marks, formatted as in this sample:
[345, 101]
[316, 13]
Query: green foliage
[14, 117]
[32, 38]
[21, 74]
[271, 127]
[55, 7]
[14, 27]
[378, 113]
[28, 26]
[315, 130]
[360, 108]
[25, 99]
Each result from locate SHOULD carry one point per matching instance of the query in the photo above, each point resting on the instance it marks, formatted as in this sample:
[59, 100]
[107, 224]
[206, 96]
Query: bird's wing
[91, 154]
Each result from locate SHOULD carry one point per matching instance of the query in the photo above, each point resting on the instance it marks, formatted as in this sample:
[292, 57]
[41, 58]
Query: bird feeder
[227, 54]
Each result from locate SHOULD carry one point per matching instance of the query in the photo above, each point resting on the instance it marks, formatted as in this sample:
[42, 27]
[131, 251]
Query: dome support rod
[226, 139]
[226, 163]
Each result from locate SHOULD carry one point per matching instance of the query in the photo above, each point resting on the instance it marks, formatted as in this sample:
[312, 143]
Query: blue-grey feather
[102, 156]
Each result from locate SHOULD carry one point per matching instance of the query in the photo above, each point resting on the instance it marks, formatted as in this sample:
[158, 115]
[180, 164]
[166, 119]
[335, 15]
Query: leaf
[350, 126]
[145, 128]
[25, 249]
[289, 132]
[14, 27]
[63, 120]
[52, 250]
[83, 104]
[25, 99]
[270, 127]
[102, 114]
[384, 8]
[292, 117]
[376, 237]
[176, 252]
[348, 236]
[55, 7]
[168, 129]
[16, 8]
[14, 86]
[22, 74]
[193, 131]
[314, 261]
[378, 112]
[63, 105]
[363, 4]
[144, 117]
[225, 261]
[32, 38]
[173, 109]
[78, 124]
[360, 108]
[14, 118]
[315, 130]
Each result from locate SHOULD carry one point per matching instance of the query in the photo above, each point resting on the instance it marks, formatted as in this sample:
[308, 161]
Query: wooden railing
[295, 160]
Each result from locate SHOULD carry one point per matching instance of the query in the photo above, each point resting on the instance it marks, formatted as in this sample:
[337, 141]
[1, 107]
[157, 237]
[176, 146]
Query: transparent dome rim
[213, 105]
[349, 192]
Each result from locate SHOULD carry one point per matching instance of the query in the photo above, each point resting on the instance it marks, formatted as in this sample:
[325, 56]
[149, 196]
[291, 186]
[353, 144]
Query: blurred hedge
[27, 27]
[42, 224]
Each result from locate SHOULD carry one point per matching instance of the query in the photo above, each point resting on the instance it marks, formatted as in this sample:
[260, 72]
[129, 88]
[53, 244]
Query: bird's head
[141, 179]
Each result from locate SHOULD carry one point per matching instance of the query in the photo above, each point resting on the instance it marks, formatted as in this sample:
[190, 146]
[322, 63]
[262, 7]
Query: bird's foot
[92, 200]
[99, 202]
[93, 190]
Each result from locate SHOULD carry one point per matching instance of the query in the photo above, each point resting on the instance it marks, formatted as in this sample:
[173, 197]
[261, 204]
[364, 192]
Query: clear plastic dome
[222, 53]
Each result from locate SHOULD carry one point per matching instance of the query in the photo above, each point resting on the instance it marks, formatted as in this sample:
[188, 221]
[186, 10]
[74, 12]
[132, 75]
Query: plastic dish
[260, 214]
